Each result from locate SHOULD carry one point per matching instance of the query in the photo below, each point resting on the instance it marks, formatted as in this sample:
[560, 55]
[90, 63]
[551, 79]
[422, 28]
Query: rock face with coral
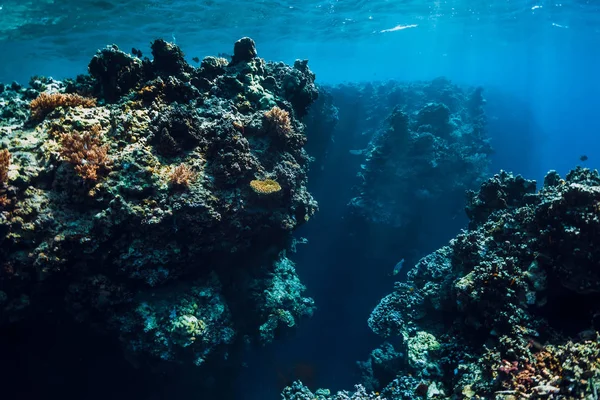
[509, 309]
[153, 198]
[429, 147]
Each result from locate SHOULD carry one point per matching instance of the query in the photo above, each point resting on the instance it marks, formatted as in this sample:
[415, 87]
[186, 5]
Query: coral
[115, 73]
[278, 121]
[424, 137]
[503, 191]
[266, 186]
[212, 67]
[187, 325]
[5, 157]
[178, 129]
[244, 50]
[168, 59]
[321, 124]
[48, 102]
[85, 151]
[382, 366]
[297, 391]
[182, 175]
[279, 299]
[434, 118]
[508, 309]
[170, 272]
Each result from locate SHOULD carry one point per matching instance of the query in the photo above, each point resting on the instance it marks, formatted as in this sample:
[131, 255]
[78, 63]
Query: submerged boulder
[131, 207]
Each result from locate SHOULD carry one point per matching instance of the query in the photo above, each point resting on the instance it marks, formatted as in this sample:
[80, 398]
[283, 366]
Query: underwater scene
[299, 200]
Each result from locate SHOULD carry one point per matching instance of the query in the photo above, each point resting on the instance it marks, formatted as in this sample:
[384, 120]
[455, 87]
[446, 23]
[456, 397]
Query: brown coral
[48, 102]
[4, 201]
[4, 164]
[278, 121]
[182, 176]
[85, 152]
[266, 186]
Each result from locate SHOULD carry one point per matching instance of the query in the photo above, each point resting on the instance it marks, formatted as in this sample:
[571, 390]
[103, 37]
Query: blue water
[540, 52]
[537, 60]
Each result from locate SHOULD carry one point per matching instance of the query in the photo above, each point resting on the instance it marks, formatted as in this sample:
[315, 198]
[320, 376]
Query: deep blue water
[537, 60]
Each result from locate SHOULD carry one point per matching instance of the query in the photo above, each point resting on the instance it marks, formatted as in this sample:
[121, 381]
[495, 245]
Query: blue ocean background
[541, 56]
[538, 62]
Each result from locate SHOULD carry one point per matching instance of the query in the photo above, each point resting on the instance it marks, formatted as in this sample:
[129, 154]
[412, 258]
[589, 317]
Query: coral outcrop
[428, 146]
[508, 309]
[152, 198]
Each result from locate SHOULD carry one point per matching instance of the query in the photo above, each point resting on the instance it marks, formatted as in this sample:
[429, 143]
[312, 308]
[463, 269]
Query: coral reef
[299, 392]
[279, 300]
[266, 186]
[400, 156]
[182, 175]
[133, 202]
[85, 152]
[46, 102]
[508, 309]
[427, 149]
[321, 123]
[4, 165]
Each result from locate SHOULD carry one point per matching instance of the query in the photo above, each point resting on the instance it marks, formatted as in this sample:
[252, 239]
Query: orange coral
[4, 164]
[182, 175]
[47, 102]
[150, 92]
[85, 152]
[266, 186]
[278, 121]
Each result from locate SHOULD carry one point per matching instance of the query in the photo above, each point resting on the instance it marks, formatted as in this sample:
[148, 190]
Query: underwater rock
[508, 309]
[427, 144]
[297, 391]
[168, 59]
[381, 367]
[321, 122]
[503, 191]
[137, 212]
[279, 301]
[115, 73]
[434, 118]
[410, 170]
[212, 67]
[186, 325]
[244, 50]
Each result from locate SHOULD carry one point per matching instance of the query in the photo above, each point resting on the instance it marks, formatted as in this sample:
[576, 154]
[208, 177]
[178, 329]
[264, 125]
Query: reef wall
[416, 148]
[507, 310]
[154, 201]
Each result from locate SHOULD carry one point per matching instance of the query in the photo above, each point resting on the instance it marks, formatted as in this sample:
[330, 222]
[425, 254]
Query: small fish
[196, 59]
[583, 157]
[398, 267]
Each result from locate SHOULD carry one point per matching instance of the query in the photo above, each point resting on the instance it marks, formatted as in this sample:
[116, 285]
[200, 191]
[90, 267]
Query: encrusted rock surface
[151, 198]
[429, 146]
[508, 310]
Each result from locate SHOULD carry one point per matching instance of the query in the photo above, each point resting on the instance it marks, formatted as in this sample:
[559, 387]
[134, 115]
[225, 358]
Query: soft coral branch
[47, 102]
[85, 151]
[4, 164]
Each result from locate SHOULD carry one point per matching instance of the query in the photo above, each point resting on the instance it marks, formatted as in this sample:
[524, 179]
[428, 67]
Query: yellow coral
[266, 186]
